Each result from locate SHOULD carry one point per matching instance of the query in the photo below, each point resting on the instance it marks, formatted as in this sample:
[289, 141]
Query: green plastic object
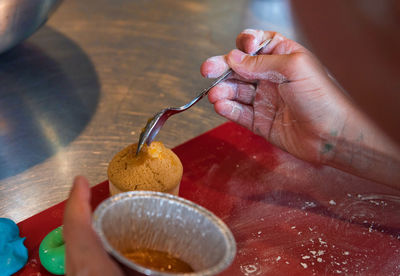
[52, 252]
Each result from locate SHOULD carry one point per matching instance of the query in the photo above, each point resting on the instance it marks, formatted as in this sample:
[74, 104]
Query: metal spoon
[155, 123]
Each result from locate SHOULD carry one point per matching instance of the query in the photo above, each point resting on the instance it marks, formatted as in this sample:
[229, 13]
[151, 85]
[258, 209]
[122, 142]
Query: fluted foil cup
[159, 221]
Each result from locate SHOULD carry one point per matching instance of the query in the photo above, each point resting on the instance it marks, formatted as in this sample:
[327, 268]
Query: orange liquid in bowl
[158, 260]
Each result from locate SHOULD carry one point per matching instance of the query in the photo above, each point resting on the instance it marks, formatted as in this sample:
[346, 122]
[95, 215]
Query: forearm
[362, 149]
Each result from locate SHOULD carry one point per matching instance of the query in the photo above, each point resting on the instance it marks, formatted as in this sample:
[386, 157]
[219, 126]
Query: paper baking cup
[159, 221]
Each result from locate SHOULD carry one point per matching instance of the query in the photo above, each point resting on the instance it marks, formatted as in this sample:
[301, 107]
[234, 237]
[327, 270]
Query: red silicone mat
[288, 217]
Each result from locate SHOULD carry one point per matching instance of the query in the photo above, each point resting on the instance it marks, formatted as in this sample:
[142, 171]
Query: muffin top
[156, 168]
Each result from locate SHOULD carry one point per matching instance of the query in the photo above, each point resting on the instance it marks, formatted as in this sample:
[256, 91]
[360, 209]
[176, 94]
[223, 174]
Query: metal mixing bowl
[21, 18]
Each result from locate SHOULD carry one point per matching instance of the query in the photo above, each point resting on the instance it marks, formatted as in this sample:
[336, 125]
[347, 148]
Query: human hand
[84, 252]
[283, 94]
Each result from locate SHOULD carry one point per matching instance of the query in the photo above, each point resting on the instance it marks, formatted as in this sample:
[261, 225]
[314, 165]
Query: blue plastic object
[13, 253]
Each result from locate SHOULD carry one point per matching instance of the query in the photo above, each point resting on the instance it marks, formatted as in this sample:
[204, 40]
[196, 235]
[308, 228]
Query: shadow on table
[48, 93]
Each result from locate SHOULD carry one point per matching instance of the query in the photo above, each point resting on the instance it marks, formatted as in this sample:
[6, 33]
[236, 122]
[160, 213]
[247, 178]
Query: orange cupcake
[156, 168]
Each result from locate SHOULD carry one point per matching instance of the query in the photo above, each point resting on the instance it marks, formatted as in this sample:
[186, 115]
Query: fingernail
[237, 56]
[212, 75]
[250, 32]
[215, 66]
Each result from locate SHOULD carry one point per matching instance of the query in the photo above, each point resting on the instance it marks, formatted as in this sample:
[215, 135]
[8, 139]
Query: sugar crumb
[304, 265]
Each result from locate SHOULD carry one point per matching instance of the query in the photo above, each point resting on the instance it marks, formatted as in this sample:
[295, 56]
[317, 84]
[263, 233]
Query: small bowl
[21, 18]
[159, 221]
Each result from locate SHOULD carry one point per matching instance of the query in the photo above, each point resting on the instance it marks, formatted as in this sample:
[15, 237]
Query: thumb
[274, 68]
[78, 208]
[84, 251]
